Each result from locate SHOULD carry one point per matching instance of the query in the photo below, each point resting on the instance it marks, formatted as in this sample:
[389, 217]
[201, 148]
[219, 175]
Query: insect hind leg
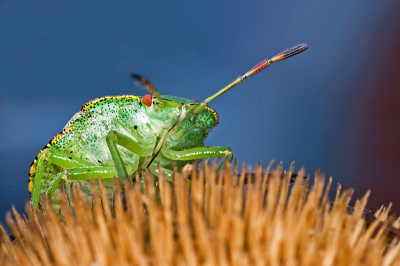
[54, 183]
[38, 178]
[81, 173]
[73, 169]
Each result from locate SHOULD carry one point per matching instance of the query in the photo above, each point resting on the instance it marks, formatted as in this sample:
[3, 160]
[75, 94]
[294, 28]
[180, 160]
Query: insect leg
[66, 160]
[201, 153]
[113, 138]
[38, 178]
[85, 173]
[81, 173]
[54, 184]
[58, 158]
[154, 169]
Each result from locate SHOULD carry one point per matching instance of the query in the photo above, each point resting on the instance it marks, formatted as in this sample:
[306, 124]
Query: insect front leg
[201, 153]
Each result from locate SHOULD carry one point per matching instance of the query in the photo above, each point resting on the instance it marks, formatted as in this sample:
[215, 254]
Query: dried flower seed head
[213, 223]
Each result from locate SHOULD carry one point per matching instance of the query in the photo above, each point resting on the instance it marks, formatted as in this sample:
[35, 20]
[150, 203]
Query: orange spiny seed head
[147, 100]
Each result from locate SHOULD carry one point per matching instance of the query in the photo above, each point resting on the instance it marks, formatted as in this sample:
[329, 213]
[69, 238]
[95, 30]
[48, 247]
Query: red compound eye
[147, 100]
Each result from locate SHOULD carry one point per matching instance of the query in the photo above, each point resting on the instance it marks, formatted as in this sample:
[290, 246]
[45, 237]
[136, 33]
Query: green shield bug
[120, 135]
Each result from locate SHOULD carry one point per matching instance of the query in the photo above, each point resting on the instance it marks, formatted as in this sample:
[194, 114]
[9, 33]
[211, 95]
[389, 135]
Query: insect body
[120, 135]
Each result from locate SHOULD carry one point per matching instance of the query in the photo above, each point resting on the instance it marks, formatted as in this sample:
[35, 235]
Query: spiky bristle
[212, 224]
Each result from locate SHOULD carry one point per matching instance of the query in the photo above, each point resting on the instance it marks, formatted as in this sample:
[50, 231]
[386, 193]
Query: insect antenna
[260, 66]
[147, 84]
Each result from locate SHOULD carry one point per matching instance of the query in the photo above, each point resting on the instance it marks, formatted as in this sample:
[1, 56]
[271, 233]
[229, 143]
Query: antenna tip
[136, 76]
[289, 52]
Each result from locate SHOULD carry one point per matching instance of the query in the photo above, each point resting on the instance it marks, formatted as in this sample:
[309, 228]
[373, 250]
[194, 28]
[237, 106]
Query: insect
[120, 135]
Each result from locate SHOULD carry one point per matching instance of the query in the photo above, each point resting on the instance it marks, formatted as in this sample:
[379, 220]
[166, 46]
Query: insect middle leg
[113, 138]
[155, 170]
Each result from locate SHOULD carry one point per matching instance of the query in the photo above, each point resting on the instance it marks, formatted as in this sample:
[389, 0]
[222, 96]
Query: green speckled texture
[84, 136]
[176, 99]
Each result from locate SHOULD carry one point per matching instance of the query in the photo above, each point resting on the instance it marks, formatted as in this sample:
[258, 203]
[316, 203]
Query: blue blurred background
[335, 107]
